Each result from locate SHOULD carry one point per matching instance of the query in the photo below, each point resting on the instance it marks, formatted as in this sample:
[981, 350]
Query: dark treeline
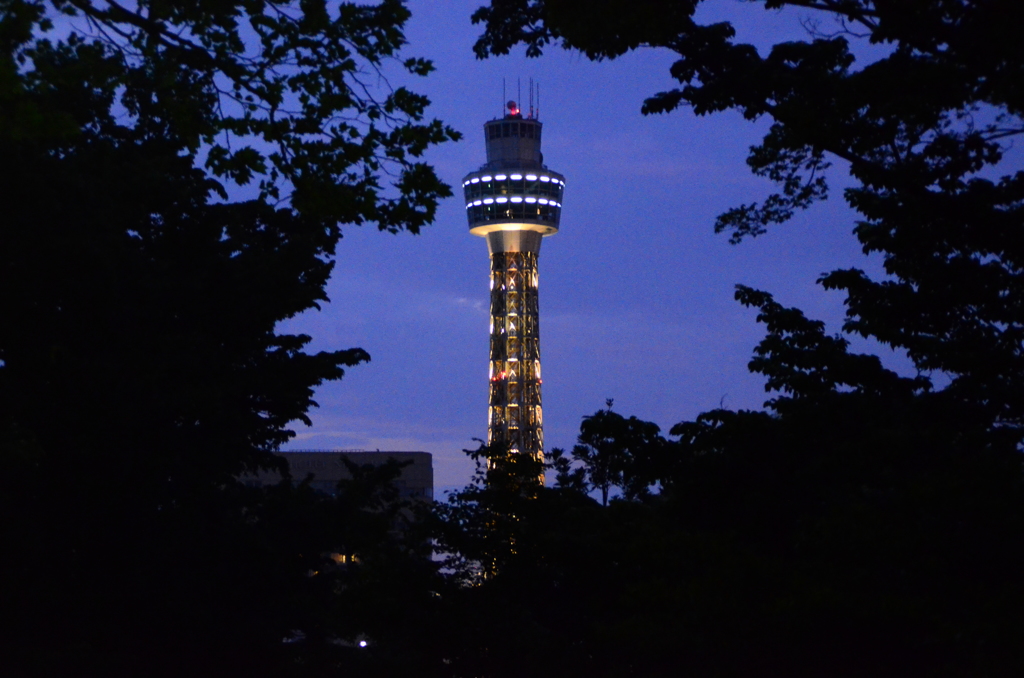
[141, 370]
[864, 523]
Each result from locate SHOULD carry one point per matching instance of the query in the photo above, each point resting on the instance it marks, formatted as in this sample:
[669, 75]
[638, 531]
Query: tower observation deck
[514, 201]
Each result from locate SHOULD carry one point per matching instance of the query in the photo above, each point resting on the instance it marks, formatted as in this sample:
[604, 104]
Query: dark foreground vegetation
[865, 523]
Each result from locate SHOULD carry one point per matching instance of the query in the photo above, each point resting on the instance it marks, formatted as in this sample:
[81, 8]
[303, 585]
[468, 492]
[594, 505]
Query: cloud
[475, 304]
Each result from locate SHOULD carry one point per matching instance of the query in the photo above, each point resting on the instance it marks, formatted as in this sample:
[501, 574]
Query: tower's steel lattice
[514, 201]
[514, 415]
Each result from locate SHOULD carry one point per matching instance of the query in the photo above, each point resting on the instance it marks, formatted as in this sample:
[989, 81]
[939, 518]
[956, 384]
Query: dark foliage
[612, 452]
[865, 523]
[141, 370]
[923, 131]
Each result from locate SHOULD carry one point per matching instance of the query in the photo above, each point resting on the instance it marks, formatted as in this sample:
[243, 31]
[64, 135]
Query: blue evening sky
[636, 290]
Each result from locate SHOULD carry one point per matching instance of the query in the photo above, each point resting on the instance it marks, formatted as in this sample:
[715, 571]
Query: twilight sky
[635, 290]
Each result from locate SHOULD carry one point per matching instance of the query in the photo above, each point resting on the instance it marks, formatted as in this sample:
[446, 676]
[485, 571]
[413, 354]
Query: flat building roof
[416, 478]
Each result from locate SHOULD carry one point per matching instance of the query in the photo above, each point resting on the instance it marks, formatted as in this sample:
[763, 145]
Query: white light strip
[516, 199]
[513, 177]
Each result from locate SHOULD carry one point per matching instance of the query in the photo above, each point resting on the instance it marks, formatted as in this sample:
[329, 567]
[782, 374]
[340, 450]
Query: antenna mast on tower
[513, 201]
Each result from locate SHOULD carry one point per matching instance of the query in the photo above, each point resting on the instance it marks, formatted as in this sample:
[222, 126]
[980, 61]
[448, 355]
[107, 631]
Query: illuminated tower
[514, 201]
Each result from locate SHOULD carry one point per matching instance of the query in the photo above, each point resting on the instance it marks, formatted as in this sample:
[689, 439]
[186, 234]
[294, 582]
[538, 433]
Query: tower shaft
[515, 419]
[514, 201]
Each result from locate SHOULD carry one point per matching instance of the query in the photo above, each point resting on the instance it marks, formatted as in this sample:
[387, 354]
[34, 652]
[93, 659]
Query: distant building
[416, 479]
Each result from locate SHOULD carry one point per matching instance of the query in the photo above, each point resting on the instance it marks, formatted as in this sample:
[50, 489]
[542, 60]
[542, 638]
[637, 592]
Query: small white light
[500, 177]
[531, 200]
[362, 643]
[517, 177]
[545, 178]
[531, 177]
[517, 199]
[474, 180]
[477, 203]
[502, 200]
[485, 178]
[542, 201]
[488, 201]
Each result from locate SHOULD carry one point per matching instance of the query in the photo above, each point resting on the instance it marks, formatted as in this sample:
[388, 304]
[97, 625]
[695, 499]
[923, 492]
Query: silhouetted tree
[579, 587]
[613, 451]
[141, 369]
[870, 523]
[923, 129]
[479, 525]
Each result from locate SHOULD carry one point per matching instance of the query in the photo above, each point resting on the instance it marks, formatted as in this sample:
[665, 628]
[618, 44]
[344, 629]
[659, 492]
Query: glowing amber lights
[514, 201]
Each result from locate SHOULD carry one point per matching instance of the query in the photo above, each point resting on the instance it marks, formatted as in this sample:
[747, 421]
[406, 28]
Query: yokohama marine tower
[514, 201]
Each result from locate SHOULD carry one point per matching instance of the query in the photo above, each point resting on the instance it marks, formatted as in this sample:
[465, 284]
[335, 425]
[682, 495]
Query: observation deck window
[526, 130]
[493, 211]
[515, 184]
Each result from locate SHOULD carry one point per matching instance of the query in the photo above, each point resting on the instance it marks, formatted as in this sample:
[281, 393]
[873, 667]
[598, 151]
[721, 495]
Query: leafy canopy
[289, 99]
[924, 130]
[866, 522]
[612, 451]
[176, 175]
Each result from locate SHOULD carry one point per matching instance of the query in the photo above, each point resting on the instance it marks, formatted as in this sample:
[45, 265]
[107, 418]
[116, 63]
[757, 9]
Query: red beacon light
[513, 108]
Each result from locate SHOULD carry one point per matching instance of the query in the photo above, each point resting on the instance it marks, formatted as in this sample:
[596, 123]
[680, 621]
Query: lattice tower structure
[514, 201]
